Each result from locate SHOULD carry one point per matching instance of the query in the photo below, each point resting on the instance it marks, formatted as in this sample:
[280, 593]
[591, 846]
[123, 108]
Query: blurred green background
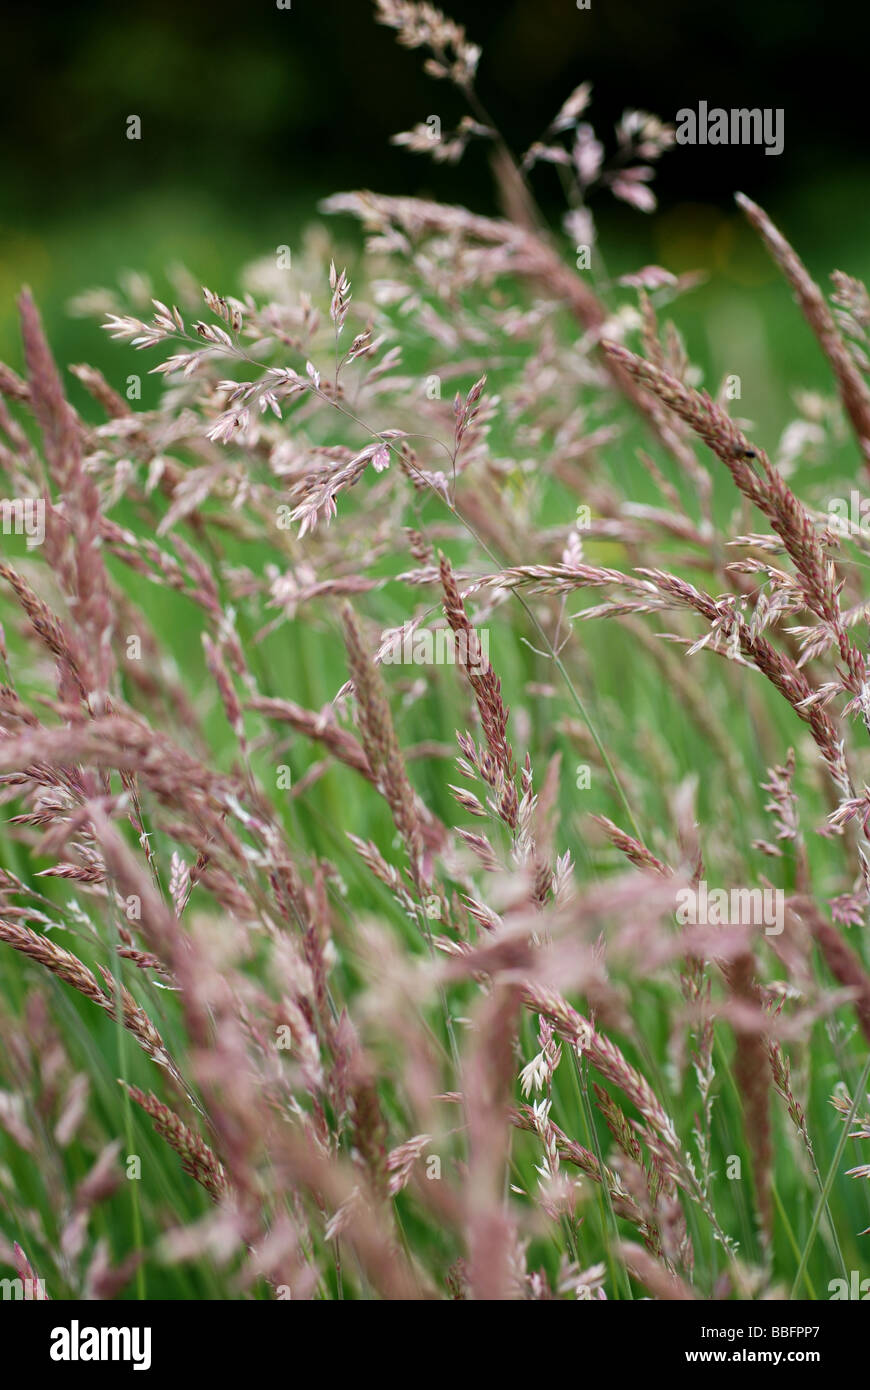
[251, 114]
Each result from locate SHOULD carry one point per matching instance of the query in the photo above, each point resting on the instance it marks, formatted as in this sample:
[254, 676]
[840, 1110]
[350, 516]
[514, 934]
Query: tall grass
[342, 924]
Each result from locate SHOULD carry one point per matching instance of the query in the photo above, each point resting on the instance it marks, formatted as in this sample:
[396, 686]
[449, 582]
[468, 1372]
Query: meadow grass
[385, 957]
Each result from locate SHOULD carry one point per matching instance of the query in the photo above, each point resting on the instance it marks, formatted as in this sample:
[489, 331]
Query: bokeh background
[250, 114]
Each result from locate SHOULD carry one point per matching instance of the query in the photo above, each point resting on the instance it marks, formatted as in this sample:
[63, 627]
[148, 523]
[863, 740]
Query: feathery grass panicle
[381, 745]
[543, 1103]
[853, 389]
[196, 1157]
